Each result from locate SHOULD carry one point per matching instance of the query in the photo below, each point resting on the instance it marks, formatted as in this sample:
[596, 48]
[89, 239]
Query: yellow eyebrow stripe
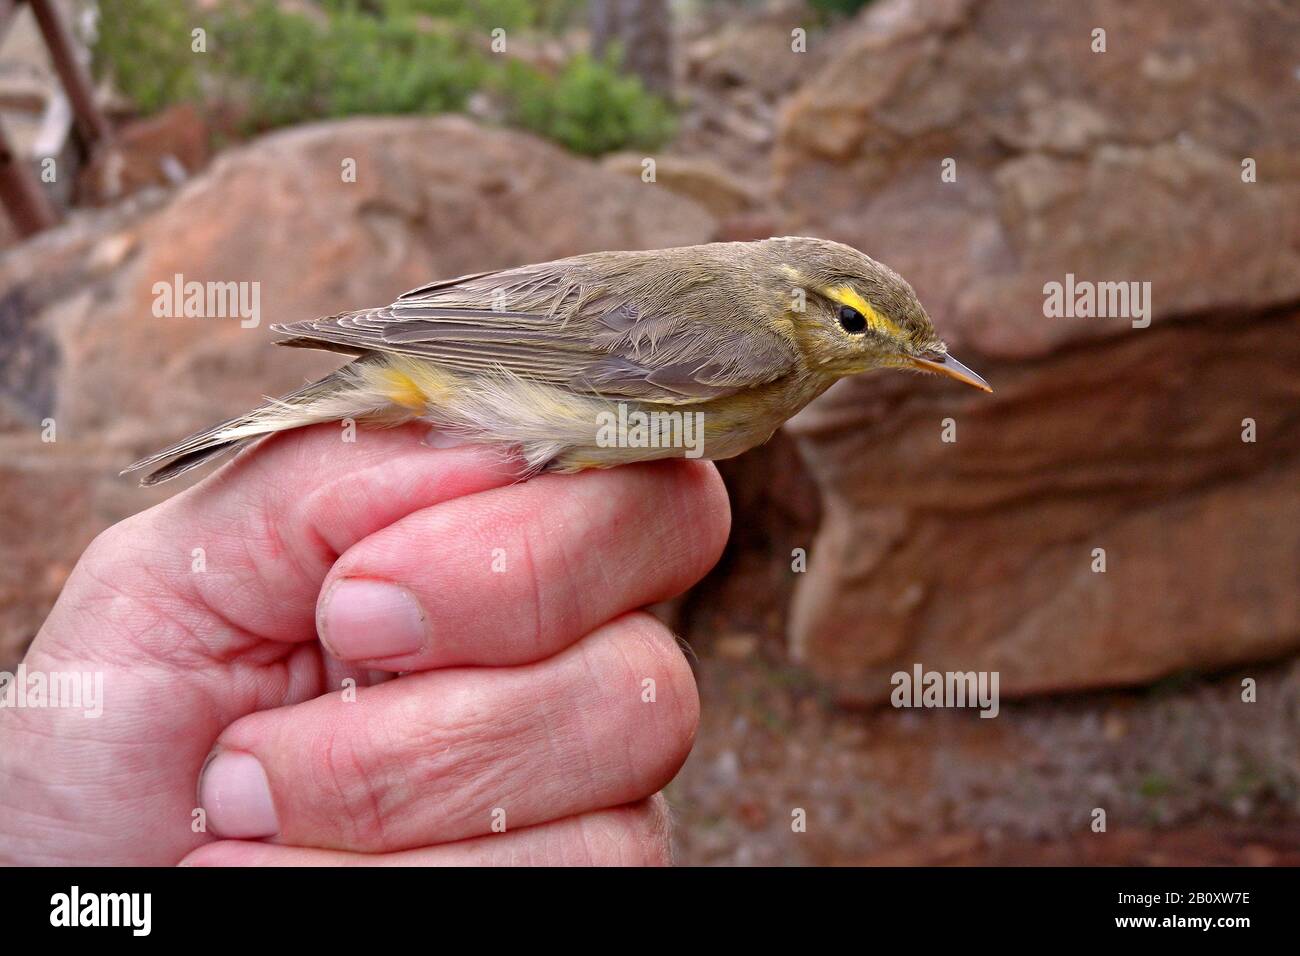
[847, 295]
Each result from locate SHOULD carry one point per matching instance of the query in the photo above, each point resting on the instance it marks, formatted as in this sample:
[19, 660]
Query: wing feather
[551, 325]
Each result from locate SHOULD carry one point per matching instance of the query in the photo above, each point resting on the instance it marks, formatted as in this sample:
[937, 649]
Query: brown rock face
[1123, 165]
[431, 198]
[715, 187]
[156, 151]
[1104, 432]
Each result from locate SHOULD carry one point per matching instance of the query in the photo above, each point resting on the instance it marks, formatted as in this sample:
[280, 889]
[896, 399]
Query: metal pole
[29, 207]
[92, 123]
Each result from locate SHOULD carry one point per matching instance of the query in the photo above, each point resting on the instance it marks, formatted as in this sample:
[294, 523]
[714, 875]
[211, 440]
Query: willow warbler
[607, 358]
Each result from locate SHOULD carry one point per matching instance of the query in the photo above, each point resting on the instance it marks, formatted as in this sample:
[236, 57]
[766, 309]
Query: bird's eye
[851, 320]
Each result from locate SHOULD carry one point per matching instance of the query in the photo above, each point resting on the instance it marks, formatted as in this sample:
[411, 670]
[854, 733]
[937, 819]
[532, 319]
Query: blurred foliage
[842, 8]
[349, 57]
[588, 107]
[548, 15]
[289, 67]
[146, 48]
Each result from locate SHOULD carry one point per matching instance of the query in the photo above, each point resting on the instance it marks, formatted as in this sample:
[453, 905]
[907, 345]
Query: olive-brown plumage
[537, 359]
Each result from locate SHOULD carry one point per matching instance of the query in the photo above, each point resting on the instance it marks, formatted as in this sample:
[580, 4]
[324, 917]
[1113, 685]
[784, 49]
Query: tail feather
[183, 463]
[278, 414]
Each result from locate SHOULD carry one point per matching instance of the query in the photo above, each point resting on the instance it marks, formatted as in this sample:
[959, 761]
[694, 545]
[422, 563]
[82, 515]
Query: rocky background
[1121, 689]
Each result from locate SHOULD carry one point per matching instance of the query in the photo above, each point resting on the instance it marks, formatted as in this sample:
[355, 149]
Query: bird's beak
[947, 365]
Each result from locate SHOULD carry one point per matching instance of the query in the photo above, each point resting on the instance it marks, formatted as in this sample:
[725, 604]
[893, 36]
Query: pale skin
[522, 695]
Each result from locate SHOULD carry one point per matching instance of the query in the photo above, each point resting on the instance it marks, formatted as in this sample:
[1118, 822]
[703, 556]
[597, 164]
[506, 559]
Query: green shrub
[146, 51]
[291, 68]
[478, 15]
[371, 56]
[838, 7]
[384, 66]
[270, 60]
[589, 107]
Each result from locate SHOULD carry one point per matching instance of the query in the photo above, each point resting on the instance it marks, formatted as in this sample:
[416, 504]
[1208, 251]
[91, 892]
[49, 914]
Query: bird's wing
[552, 328]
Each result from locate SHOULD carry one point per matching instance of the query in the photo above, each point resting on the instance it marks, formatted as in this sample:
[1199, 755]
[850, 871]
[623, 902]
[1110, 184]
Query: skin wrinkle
[529, 719]
[569, 568]
[102, 786]
[658, 837]
[202, 587]
[260, 572]
[342, 768]
[624, 649]
[653, 638]
[586, 752]
[548, 737]
[535, 590]
[323, 509]
[466, 763]
[391, 737]
[181, 653]
[485, 778]
[576, 601]
[672, 538]
[594, 833]
[308, 568]
[632, 831]
[570, 574]
[629, 757]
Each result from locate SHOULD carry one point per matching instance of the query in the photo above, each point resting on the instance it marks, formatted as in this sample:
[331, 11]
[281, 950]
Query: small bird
[608, 358]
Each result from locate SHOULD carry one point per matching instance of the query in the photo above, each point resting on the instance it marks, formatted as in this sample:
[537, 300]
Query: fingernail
[237, 797]
[443, 438]
[363, 620]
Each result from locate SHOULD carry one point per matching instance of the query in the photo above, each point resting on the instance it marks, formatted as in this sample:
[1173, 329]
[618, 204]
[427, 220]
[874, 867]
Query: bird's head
[851, 314]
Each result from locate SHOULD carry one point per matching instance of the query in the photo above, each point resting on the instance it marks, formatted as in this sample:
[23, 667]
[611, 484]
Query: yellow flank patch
[403, 390]
[847, 295]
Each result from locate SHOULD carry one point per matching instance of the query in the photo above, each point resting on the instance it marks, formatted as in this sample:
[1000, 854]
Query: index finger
[516, 574]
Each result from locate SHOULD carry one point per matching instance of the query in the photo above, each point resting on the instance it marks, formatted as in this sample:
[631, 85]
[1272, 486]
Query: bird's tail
[333, 397]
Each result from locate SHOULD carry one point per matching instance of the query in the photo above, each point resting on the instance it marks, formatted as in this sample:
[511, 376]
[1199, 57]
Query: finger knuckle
[349, 787]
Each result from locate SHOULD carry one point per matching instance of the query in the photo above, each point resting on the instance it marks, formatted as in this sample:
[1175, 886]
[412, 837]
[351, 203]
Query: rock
[162, 150]
[1040, 162]
[432, 197]
[721, 191]
[55, 498]
[752, 53]
[736, 72]
[977, 554]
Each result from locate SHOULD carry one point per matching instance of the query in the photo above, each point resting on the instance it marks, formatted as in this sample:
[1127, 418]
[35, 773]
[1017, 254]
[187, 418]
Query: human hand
[510, 613]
